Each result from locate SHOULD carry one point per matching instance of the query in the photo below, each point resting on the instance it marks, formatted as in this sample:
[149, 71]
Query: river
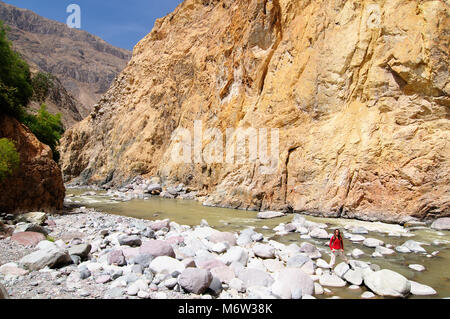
[185, 212]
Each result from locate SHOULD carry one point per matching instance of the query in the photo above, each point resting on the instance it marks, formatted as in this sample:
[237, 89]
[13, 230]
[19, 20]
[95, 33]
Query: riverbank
[98, 255]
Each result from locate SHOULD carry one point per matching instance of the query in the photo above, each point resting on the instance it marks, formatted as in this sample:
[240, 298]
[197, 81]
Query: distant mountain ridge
[85, 64]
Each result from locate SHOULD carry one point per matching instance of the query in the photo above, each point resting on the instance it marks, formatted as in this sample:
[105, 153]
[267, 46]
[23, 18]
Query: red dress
[336, 243]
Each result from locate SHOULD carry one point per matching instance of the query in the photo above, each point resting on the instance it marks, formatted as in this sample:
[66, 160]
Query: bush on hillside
[47, 127]
[9, 158]
[42, 83]
[15, 81]
[16, 90]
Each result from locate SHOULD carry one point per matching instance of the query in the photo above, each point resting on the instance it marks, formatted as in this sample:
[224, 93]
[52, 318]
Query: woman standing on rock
[337, 247]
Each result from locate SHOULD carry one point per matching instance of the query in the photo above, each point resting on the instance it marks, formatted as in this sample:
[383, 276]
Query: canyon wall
[37, 185]
[359, 91]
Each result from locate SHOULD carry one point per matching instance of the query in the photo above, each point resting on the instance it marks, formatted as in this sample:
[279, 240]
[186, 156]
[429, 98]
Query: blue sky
[121, 23]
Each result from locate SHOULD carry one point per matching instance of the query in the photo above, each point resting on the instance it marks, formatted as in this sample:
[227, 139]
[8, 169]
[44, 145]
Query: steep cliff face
[359, 91]
[85, 64]
[37, 185]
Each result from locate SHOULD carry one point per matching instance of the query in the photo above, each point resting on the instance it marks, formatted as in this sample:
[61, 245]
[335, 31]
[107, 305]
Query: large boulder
[46, 244]
[273, 265]
[331, 280]
[372, 242]
[264, 251]
[417, 267]
[195, 280]
[319, 233]
[245, 237]
[235, 254]
[29, 227]
[356, 238]
[117, 258]
[219, 248]
[156, 248]
[354, 277]
[384, 251]
[143, 260]
[298, 260]
[223, 237]
[204, 232]
[402, 249]
[290, 281]
[81, 250]
[166, 265]
[359, 230]
[387, 283]
[37, 185]
[132, 241]
[421, 290]
[270, 215]
[52, 258]
[310, 250]
[12, 269]
[209, 264]
[358, 264]
[341, 269]
[130, 253]
[413, 246]
[255, 277]
[34, 218]
[160, 224]
[224, 273]
[28, 238]
[309, 267]
[441, 224]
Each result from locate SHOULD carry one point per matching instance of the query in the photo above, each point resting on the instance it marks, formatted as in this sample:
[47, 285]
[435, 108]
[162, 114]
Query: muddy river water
[436, 275]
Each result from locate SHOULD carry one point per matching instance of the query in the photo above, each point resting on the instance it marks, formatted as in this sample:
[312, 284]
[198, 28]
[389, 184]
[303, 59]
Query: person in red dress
[337, 248]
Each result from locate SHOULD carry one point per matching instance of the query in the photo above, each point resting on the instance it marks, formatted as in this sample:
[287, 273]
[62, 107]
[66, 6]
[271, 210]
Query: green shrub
[15, 82]
[16, 90]
[9, 158]
[48, 128]
[42, 83]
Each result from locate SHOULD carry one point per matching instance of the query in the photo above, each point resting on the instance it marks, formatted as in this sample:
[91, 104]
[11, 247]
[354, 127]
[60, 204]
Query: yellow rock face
[359, 91]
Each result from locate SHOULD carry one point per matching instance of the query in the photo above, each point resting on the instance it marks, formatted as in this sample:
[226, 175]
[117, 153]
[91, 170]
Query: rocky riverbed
[88, 254]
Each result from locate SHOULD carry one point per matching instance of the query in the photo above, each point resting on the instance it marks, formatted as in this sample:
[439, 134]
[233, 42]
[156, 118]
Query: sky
[118, 22]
